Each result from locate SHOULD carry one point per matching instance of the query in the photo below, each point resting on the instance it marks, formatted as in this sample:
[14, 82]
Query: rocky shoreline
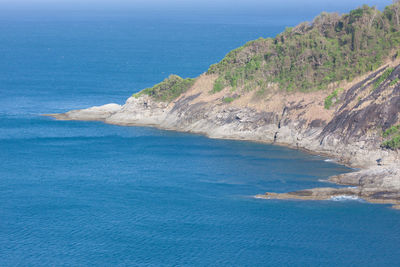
[373, 185]
[297, 124]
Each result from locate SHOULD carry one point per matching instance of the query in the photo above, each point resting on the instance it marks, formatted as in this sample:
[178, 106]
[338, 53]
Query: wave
[324, 181]
[345, 198]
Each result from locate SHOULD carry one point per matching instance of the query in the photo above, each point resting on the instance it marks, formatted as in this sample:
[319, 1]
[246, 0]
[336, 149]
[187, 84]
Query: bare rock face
[139, 111]
[358, 118]
[98, 113]
[377, 177]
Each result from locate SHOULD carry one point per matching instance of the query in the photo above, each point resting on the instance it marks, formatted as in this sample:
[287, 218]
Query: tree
[396, 8]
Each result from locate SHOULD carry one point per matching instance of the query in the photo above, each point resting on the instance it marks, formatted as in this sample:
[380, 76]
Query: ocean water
[86, 193]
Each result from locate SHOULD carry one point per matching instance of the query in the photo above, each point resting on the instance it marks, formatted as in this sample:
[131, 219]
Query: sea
[78, 193]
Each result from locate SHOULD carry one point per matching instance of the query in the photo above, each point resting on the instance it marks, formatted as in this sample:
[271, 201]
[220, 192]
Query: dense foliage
[312, 55]
[393, 137]
[169, 89]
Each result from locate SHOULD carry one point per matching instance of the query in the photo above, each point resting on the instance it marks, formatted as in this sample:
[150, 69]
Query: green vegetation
[329, 99]
[394, 82]
[169, 89]
[383, 77]
[313, 55]
[392, 130]
[228, 99]
[393, 143]
[218, 86]
[393, 137]
[330, 49]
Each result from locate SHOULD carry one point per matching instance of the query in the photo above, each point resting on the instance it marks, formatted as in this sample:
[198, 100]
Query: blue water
[86, 193]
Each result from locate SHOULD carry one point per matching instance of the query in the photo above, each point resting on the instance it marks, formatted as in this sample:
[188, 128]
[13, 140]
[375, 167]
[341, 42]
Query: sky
[181, 7]
[229, 4]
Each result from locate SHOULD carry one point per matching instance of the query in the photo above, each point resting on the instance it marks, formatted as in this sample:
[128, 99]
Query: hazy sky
[191, 3]
[260, 8]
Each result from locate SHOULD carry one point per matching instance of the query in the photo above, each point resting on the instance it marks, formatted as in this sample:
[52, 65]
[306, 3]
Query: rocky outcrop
[90, 114]
[376, 185]
[350, 131]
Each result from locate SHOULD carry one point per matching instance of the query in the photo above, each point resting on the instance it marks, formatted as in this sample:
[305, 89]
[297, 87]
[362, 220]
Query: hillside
[331, 87]
[313, 55]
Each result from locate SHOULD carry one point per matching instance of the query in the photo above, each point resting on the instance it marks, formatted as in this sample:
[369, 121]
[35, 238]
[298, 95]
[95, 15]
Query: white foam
[345, 198]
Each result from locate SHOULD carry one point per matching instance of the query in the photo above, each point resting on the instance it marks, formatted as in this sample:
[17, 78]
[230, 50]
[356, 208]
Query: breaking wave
[345, 198]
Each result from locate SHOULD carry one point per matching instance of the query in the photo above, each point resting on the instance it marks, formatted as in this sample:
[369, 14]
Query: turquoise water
[86, 193]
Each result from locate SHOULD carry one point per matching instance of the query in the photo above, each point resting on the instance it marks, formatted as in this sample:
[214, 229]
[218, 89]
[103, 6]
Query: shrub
[218, 86]
[393, 143]
[228, 99]
[392, 130]
[393, 133]
[394, 82]
[383, 77]
[169, 89]
[329, 99]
